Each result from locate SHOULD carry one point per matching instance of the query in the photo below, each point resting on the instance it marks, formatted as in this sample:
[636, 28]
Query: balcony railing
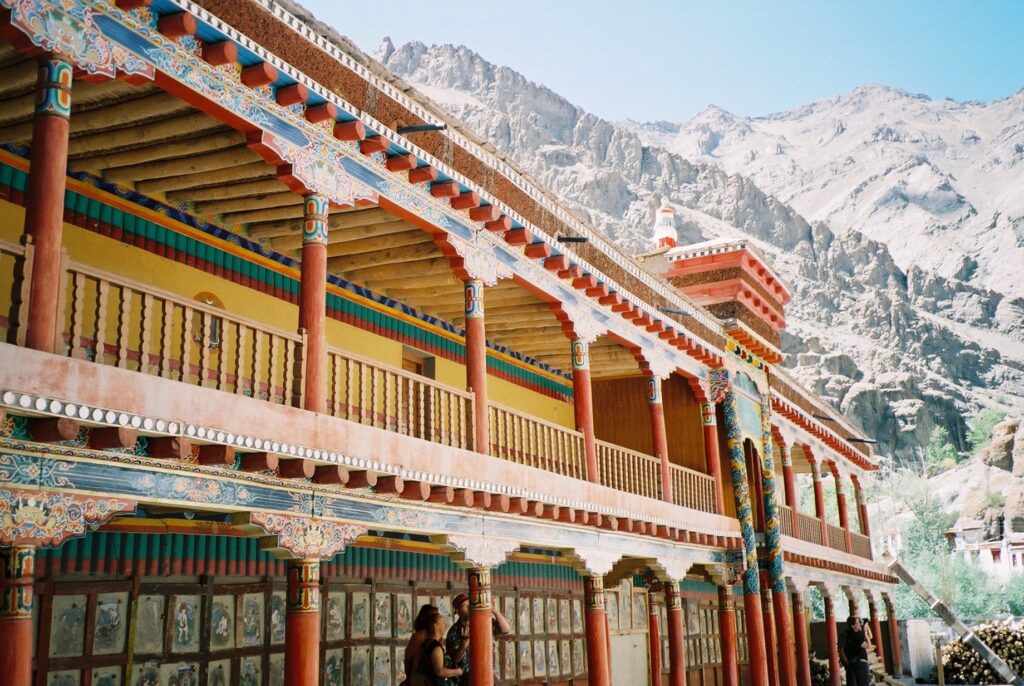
[628, 470]
[527, 440]
[786, 521]
[693, 489]
[861, 545]
[115, 321]
[836, 537]
[371, 393]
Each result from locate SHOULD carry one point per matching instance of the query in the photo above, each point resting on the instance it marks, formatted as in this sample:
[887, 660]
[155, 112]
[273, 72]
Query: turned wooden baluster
[241, 350]
[77, 315]
[288, 373]
[146, 316]
[100, 339]
[123, 326]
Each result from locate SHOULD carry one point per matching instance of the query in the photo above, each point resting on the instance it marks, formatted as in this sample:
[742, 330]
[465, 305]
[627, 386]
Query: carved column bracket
[47, 519]
[299, 537]
[482, 552]
[597, 561]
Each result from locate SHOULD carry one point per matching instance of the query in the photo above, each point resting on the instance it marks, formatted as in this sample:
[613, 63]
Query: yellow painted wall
[100, 252]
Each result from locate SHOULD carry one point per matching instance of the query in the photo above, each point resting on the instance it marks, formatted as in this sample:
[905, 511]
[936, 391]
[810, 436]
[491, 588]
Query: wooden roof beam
[437, 265]
[402, 255]
[254, 202]
[244, 189]
[171, 129]
[194, 164]
[218, 177]
[369, 232]
[387, 242]
[164, 150]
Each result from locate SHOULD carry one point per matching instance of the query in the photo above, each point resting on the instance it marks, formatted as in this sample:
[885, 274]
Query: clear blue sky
[668, 59]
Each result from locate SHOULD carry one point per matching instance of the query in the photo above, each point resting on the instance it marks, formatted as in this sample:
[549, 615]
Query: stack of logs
[963, 665]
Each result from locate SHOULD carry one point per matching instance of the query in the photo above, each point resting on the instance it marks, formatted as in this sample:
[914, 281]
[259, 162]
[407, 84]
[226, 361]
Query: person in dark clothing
[457, 643]
[854, 648]
[429, 668]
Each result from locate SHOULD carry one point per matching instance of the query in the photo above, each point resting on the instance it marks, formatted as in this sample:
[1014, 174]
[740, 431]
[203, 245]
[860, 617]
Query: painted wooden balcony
[810, 529]
[111, 320]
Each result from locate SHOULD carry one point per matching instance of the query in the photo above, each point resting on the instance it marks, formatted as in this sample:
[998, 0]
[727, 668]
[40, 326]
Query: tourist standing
[457, 643]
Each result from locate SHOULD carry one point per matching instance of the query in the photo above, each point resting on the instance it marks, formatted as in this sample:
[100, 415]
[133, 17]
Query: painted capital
[654, 390]
[474, 289]
[300, 537]
[707, 414]
[54, 87]
[479, 579]
[303, 594]
[47, 519]
[597, 561]
[580, 354]
[16, 584]
[481, 551]
[315, 212]
[593, 592]
[673, 599]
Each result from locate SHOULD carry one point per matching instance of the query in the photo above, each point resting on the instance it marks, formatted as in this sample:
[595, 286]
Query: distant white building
[1000, 558]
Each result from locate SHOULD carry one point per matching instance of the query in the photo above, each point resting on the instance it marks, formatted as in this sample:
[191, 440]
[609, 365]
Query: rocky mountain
[941, 183]
[899, 336]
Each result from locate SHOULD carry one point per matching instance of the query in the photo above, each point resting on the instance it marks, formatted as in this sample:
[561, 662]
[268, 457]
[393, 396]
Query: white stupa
[665, 235]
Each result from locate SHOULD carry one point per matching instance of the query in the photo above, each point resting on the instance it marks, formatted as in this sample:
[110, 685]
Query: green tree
[979, 430]
[1015, 595]
[939, 454]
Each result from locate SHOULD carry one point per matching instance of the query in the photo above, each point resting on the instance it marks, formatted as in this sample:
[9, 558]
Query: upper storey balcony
[183, 280]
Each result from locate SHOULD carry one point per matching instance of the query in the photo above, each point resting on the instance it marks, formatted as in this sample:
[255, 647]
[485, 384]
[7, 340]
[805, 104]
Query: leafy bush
[979, 430]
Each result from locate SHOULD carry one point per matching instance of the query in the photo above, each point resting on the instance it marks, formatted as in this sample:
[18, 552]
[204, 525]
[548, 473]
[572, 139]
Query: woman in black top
[430, 669]
[855, 650]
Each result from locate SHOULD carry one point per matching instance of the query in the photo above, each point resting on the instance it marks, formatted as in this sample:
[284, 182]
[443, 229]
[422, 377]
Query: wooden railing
[15, 275]
[786, 522]
[808, 528]
[693, 489]
[836, 537]
[371, 393]
[115, 321]
[527, 440]
[861, 545]
[628, 470]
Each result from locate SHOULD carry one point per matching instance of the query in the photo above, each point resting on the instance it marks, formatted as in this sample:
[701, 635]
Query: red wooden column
[727, 636]
[862, 506]
[712, 461]
[802, 651]
[302, 624]
[313, 301]
[654, 639]
[894, 636]
[771, 643]
[789, 479]
[481, 648]
[583, 406]
[876, 628]
[676, 636]
[44, 200]
[832, 636]
[16, 598]
[659, 434]
[476, 363]
[598, 671]
[819, 500]
[844, 517]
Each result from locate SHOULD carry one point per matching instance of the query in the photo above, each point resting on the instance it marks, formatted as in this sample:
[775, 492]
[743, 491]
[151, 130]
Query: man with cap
[457, 642]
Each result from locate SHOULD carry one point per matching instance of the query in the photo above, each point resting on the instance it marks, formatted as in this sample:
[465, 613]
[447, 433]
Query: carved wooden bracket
[47, 518]
[300, 537]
